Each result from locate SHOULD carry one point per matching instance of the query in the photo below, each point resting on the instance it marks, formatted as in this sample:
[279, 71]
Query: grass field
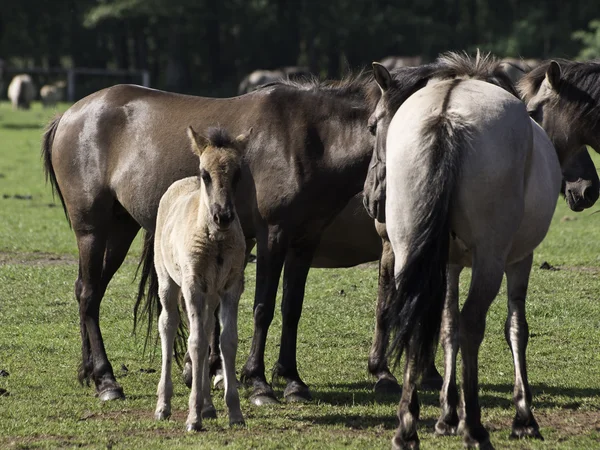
[40, 346]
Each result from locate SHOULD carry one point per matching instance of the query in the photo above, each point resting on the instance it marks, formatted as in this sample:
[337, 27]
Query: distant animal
[261, 77]
[51, 94]
[463, 142]
[516, 68]
[394, 62]
[21, 91]
[199, 252]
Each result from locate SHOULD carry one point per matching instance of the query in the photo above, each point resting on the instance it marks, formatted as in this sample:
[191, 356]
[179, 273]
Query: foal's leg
[297, 265]
[272, 245]
[448, 421]
[229, 343]
[516, 332]
[208, 319]
[216, 368]
[168, 321]
[488, 270]
[408, 410]
[197, 347]
[103, 245]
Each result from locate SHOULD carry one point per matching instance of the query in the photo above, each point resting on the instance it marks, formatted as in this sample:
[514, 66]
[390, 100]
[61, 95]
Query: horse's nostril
[217, 218]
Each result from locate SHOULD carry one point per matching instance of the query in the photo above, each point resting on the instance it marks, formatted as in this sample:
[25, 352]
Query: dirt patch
[35, 259]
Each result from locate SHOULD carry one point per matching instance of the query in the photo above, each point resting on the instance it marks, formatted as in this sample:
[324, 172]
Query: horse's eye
[205, 176]
[372, 128]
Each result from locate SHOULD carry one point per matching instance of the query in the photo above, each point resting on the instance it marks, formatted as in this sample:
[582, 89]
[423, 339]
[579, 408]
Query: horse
[255, 79]
[51, 94]
[461, 141]
[563, 97]
[200, 252]
[112, 155]
[21, 91]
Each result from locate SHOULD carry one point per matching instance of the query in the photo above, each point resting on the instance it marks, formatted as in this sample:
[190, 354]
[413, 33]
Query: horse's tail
[418, 302]
[148, 302]
[47, 141]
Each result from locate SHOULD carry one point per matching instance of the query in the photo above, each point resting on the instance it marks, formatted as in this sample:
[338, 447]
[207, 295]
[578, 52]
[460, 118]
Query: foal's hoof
[219, 381]
[445, 429]
[237, 423]
[162, 415]
[399, 444]
[263, 399]
[209, 413]
[297, 393]
[193, 427]
[387, 386]
[111, 394]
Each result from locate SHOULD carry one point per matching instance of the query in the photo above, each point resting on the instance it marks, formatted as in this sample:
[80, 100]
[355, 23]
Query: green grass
[39, 342]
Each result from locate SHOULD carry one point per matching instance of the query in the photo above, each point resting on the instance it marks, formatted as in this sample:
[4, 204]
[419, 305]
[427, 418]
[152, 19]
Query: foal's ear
[382, 76]
[199, 142]
[242, 140]
[553, 75]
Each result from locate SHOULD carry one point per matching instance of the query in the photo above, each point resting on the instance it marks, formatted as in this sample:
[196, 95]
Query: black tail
[417, 305]
[47, 142]
[149, 301]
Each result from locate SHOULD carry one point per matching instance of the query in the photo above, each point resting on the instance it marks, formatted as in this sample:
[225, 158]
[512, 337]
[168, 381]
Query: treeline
[207, 46]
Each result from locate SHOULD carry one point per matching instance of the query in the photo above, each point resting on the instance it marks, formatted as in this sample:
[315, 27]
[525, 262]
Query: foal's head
[220, 170]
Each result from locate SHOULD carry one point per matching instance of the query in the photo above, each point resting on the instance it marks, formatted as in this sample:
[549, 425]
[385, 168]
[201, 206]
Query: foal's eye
[372, 128]
[205, 176]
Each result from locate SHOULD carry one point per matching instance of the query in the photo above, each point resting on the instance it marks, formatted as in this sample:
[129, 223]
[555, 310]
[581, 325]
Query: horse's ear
[553, 75]
[382, 76]
[198, 141]
[242, 140]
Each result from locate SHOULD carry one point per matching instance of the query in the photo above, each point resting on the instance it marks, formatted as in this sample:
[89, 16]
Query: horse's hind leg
[102, 249]
[408, 410]
[447, 424]
[488, 269]
[516, 332]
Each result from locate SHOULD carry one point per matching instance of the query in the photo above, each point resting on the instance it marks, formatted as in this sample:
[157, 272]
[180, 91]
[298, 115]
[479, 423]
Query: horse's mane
[219, 137]
[354, 84]
[579, 86]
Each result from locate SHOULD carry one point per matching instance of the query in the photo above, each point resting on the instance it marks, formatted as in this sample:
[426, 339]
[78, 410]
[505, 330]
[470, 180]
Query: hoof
[263, 399]
[296, 392]
[111, 394]
[445, 429]
[187, 374]
[193, 427]
[162, 415]
[209, 413]
[530, 432]
[237, 423]
[219, 381]
[387, 386]
[482, 442]
[399, 444]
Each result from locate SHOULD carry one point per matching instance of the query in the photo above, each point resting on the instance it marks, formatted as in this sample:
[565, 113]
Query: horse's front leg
[448, 422]
[297, 265]
[272, 246]
[516, 332]
[229, 343]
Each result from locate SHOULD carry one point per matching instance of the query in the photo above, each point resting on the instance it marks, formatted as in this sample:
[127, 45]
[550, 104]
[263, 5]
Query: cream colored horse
[199, 250]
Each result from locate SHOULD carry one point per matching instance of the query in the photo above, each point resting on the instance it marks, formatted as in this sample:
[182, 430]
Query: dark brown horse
[113, 154]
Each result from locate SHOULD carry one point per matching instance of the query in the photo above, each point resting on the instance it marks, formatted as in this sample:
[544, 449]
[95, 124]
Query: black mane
[219, 137]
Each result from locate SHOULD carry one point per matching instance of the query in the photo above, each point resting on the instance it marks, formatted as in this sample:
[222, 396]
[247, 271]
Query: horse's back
[494, 138]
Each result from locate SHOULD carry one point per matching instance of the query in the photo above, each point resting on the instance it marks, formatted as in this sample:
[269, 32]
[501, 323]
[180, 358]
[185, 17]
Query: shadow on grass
[21, 126]
[493, 396]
